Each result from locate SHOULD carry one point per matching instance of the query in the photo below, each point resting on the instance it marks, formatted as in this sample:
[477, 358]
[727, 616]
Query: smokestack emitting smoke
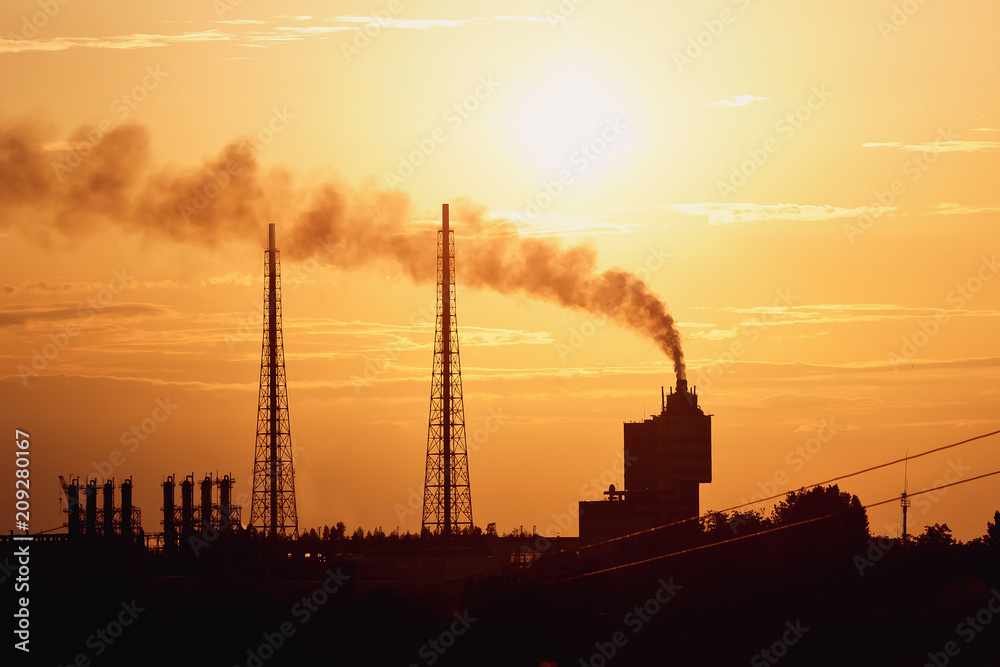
[71, 188]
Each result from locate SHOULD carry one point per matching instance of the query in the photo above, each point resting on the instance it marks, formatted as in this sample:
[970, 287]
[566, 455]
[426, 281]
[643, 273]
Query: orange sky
[810, 189]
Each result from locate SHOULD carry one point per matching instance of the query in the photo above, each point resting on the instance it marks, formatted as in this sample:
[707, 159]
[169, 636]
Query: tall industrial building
[272, 508]
[447, 495]
[666, 458]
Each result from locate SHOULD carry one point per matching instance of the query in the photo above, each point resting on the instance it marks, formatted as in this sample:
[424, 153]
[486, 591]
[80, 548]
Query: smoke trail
[568, 276]
[67, 189]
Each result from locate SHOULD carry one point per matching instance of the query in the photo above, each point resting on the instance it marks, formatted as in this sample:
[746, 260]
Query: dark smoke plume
[67, 189]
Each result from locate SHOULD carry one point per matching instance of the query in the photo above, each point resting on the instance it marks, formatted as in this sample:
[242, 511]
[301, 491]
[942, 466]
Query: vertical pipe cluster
[169, 527]
[109, 508]
[187, 505]
[206, 503]
[91, 519]
[73, 507]
[126, 520]
[225, 501]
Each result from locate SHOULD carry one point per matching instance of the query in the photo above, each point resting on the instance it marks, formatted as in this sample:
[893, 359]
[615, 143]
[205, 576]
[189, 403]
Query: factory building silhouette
[666, 458]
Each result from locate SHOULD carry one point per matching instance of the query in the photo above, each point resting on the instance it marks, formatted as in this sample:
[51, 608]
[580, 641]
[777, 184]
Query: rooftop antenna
[904, 500]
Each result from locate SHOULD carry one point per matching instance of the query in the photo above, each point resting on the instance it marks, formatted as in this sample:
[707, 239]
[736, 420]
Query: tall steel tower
[447, 496]
[273, 505]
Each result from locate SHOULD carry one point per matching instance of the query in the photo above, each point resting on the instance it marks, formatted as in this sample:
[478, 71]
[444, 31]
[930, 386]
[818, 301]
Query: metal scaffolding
[272, 509]
[447, 494]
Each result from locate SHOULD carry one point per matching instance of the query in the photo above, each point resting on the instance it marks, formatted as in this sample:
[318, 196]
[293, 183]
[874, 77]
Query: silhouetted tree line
[807, 505]
[801, 506]
[338, 534]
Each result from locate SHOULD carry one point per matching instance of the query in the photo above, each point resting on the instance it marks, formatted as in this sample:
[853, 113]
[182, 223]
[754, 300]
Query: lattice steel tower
[273, 505]
[447, 496]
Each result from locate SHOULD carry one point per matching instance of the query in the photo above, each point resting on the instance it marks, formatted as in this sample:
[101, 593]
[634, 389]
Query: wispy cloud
[234, 32]
[830, 313]
[727, 214]
[950, 146]
[364, 338]
[133, 41]
[17, 316]
[781, 372]
[285, 32]
[233, 278]
[951, 208]
[521, 224]
[738, 101]
[531, 19]
[427, 24]
[406, 24]
[58, 287]
[52, 287]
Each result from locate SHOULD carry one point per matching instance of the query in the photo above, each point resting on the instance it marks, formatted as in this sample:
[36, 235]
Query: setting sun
[558, 114]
